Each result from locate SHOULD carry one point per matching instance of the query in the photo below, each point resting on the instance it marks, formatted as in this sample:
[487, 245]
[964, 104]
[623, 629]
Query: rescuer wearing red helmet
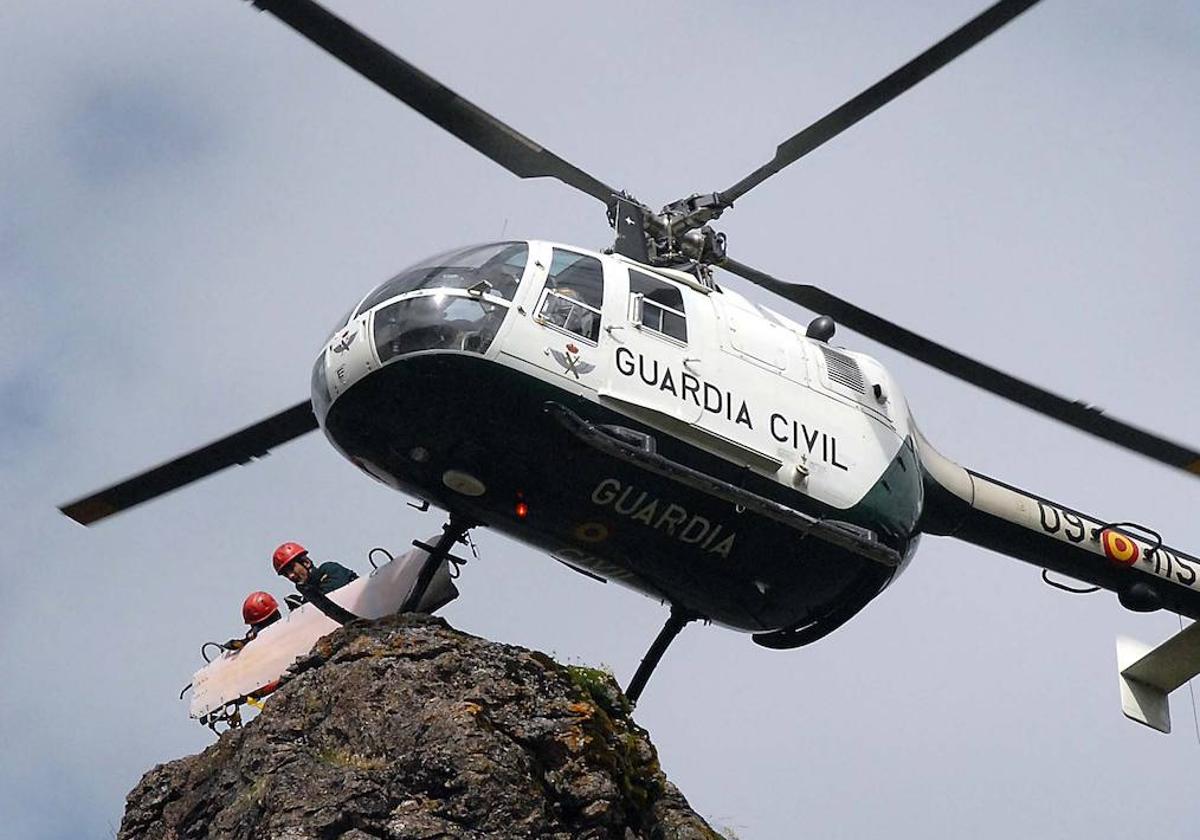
[292, 561]
[260, 610]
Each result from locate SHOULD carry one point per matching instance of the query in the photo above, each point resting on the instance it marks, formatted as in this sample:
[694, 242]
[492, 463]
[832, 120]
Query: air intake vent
[843, 370]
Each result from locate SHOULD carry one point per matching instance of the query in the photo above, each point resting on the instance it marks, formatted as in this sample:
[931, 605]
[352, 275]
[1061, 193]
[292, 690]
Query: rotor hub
[677, 236]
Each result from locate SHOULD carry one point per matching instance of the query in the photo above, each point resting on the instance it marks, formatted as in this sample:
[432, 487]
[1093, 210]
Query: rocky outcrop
[407, 728]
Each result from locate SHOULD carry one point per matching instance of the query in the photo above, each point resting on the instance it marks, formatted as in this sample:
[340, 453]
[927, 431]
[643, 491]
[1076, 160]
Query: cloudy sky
[190, 195]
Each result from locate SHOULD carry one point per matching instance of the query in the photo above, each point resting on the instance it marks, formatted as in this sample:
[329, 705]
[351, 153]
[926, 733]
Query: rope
[1192, 692]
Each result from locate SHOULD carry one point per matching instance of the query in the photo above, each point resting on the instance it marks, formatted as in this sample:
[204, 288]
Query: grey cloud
[122, 129]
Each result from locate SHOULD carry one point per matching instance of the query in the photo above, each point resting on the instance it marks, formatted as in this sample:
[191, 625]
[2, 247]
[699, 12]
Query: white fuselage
[747, 384]
[439, 382]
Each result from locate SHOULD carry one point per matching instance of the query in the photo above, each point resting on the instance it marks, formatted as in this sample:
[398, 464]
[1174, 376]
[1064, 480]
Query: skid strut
[452, 532]
[677, 621]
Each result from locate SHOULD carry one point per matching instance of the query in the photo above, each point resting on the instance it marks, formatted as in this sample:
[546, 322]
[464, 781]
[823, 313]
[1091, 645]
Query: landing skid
[805, 634]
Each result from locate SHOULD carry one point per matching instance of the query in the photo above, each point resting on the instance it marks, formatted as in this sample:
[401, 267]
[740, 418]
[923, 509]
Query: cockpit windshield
[497, 265]
[439, 321]
[341, 323]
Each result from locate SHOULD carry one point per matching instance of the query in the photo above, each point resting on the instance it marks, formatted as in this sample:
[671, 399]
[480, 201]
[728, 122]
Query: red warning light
[522, 510]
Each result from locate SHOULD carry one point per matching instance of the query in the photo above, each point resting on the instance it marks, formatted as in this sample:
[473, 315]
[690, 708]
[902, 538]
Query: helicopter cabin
[705, 377]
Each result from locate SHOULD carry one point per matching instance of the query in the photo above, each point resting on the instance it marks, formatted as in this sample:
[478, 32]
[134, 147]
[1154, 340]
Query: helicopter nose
[321, 396]
[345, 360]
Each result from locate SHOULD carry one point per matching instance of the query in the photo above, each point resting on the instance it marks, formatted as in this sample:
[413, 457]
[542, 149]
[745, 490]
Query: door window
[657, 306]
[574, 294]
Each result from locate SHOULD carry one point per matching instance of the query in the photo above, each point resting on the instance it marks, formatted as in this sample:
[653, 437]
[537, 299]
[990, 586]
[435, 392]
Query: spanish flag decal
[1119, 548]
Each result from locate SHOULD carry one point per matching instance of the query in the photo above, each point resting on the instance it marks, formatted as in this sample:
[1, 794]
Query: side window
[574, 294]
[657, 305]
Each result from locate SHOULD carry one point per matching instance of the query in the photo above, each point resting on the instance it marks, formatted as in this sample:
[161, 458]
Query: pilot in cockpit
[566, 308]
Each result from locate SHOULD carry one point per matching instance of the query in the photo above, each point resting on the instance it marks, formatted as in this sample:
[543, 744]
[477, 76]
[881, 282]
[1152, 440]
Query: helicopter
[643, 423]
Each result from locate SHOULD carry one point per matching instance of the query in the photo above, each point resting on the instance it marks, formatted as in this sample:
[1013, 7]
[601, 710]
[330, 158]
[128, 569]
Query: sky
[191, 195]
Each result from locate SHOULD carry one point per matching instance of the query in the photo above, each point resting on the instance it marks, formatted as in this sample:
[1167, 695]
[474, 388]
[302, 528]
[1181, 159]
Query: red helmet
[285, 554]
[258, 606]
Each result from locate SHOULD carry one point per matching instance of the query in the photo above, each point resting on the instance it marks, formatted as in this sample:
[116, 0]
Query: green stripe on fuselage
[893, 504]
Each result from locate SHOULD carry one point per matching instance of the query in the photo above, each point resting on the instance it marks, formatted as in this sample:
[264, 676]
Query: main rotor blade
[465, 120]
[881, 93]
[1072, 412]
[238, 448]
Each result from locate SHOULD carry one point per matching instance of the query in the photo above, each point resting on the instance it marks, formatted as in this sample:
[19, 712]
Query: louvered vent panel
[843, 370]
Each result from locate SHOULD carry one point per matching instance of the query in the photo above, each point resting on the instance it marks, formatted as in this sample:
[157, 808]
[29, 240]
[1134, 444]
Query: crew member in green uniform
[292, 561]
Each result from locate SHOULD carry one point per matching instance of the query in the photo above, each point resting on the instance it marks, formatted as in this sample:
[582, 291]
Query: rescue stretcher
[249, 674]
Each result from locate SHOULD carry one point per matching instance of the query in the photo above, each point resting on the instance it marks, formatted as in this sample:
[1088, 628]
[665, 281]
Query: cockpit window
[499, 266]
[574, 294]
[447, 321]
[341, 323]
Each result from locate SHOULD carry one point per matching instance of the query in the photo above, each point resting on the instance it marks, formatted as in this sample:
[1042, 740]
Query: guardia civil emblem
[346, 339]
[571, 362]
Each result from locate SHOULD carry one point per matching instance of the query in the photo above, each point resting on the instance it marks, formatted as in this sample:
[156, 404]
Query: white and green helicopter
[639, 421]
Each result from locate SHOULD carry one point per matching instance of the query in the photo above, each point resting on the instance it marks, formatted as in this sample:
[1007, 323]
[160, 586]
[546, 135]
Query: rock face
[406, 728]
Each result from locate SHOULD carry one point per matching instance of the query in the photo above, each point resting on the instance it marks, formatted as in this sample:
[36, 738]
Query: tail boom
[1119, 556]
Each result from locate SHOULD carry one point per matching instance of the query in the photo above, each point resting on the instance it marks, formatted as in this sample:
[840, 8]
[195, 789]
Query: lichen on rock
[406, 728]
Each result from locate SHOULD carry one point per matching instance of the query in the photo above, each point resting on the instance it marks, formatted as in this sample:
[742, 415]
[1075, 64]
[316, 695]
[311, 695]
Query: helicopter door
[569, 310]
[652, 371]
